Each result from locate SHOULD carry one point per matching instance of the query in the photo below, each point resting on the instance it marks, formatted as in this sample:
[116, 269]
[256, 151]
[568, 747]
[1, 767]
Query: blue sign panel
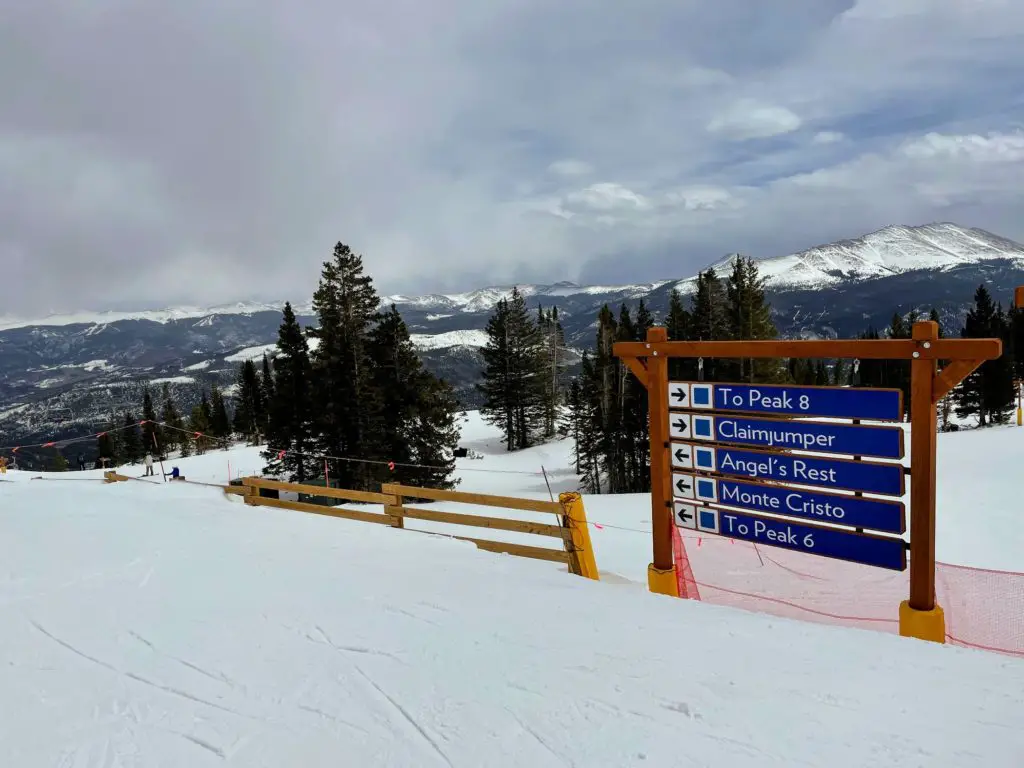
[814, 540]
[877, 514]
[866, 476]
[833, 402]
[823, 437]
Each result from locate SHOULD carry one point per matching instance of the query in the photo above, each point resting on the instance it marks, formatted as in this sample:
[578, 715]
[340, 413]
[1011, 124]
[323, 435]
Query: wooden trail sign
[674, 408]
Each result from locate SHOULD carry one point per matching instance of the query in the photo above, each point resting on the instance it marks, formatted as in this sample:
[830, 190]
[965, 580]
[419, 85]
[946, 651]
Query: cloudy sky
[159, 153]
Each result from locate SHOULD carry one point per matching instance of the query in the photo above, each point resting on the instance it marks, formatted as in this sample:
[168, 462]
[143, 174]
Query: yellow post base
[924, 625]
[662, 582]
[576, 519]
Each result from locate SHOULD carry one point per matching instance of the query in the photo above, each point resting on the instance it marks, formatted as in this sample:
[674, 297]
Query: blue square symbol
[705, 458]
[702, 427]
[701, 395]
[706, 489]
[707, 519]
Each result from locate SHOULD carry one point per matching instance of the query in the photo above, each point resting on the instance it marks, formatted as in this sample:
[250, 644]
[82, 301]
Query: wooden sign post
[728, 490]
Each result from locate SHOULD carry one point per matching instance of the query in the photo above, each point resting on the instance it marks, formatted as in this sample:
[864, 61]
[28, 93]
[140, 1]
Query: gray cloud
[196, 152]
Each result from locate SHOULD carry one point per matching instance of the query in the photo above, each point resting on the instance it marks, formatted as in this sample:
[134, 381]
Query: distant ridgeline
[80, 374]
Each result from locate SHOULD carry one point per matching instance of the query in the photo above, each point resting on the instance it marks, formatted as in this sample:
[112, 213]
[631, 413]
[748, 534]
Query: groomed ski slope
[165, 625]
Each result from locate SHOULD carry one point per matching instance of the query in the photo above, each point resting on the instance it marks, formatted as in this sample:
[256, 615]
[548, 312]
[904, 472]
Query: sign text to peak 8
[816, 436]
[836, 543]
[827, 472]
[830, 402]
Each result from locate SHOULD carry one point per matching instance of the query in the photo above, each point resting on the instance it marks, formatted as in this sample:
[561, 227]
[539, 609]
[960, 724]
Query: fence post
[575, 519]
[251, 491]
[397, 518]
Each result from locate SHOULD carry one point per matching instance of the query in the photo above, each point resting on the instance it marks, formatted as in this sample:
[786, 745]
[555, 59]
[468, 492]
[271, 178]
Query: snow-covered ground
[163, 624]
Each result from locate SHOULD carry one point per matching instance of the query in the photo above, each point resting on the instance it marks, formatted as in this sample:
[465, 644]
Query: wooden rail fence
[570, 526]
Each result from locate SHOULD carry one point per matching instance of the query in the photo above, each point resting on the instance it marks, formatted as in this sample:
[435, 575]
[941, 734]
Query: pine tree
[290, 412]
[220, 421]
[1000, 389]
[569, 425]
[869, 373]
[897, 372]
[611, 404]
[944, 409]
[678, 325]
[840, 373]
[149, 428]
[267, 394]
[588, 424]
[801, 370]
[106, 447]
[1016, 347]
[709, 321]
[131, 440]
[513, 383]
[199, 424]
[552, 368]
[821, 377]
[635, 437]
[249, 404]
[436, 434]
[347, 413]
[174, 435]
[496, 386]
[1016, 315]
[399, 381]
[418, 423]
[749, 318]
[988, 393]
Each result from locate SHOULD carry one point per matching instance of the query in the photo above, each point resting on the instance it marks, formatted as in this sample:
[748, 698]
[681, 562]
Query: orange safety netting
[983, 608]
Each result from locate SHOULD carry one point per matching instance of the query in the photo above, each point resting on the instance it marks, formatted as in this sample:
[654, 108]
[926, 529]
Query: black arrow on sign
[679, 394]
[684, 515]
[683, 485]
[681, 454]
[681, 426]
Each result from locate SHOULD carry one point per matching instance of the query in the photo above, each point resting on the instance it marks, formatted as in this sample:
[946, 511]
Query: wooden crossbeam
[639, 370]
[863, 349]
[951, 375]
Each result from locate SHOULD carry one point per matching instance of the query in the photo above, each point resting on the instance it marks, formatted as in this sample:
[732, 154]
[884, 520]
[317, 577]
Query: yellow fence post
[251, 491]
[398, 519]
[576, 516]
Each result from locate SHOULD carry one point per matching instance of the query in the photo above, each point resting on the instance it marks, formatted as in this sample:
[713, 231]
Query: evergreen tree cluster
[523, 382]
[353, 390]
[989, 394]
[128, 437]
[607, 414]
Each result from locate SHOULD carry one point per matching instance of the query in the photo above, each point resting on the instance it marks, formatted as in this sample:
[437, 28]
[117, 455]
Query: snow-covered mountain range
[74, 368]
[889, 252]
